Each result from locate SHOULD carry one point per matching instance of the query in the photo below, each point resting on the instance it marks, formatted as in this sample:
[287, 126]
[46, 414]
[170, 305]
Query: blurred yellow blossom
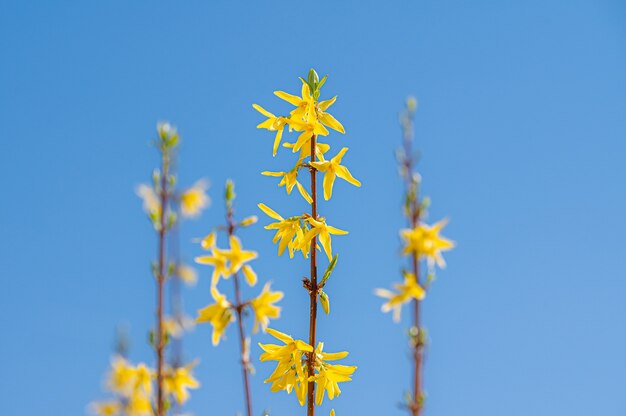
[264, 308]
[407, 291]
[194, 199]
[187, 274]
[108, 408]
[178, 381]
[217, 314]
[151, 202]
[425, 241]
[219, 260]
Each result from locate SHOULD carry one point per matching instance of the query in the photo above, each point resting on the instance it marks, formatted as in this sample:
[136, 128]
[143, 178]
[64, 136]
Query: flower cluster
[292, 374]
[300, 367]
[133, 388]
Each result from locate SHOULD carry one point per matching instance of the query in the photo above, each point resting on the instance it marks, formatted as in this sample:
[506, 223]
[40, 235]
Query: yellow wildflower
[329, 375]
[272, 123]
[195, 199]
[187, 274]
[217, 314]
[264, 308]
[326, 118]
[176, 327]
[407, 291]
[178, 381]
[289, 180]
[290, 372]
[308, 129]
[108, 408]
[305, 151]
[333, 168]
[305, 105]
[237, 256]
[122, 375]
[219, 261]
[289, 232]
[143, 379]
[425, 241]
[139, 405]
[323, 231]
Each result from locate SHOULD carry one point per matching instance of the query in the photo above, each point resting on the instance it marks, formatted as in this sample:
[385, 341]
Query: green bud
[329, 270]
[313, 79]
[325, 302]
[322, 82]
[229, 193]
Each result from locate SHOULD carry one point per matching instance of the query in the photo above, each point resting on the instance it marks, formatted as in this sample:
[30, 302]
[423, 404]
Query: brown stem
[414, 212]
[312, 290]
[160, 345]
[245, 364]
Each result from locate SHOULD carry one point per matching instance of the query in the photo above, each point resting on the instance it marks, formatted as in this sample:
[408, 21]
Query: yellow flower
[329, 375]
[122, 375]
[143, 379]
[208, 241]
[151, 202]
[187, 274]
[178, 381]
[108, 408]
[333, 168]
[272, 123]
[323, 231]
[289, 232]
[326, 118]
[425, 241]
[305, 105]
[289, 180]
[264, 308]
[308, 129]
[239, 257]
[139, 405]
[219, 261]
[305, 151]
[217, 314]
[195, 199]
[290, 372]
[407, 291]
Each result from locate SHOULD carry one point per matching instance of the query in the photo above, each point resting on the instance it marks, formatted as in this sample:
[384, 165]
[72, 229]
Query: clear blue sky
[522, 128]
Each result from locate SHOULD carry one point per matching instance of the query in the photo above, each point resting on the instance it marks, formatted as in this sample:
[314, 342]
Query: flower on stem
[195, 199]
[328, 119]
[176, 327]
[106, 408]
[178, 381]
[305, 151]
[407, 291]
[290, 373]
[329, 376]
[238, 259]
[264, 308]
[272, 123]
[289, 180]
[208, 241]
[217, 314]
[305, 105]
[308, 129]
[289, 232]
[187, 274]
[323, 231]
[219, 260]
[151, 202]
[333, 168]
[425, 241]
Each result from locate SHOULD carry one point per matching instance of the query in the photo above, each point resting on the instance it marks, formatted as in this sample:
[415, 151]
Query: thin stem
[414, 213]
[245, 363]
[312, 290]
[160, 345]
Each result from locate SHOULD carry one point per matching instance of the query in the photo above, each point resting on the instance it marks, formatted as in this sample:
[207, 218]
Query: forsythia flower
[305, 106]
[407, 291]
[208, 241]
[272, 123]
[308, 129]
[108, 408]
[290, 372]
[331, 169]
[289, 232]
[219, 261]
[218, 315]
[425, 241]
[177, 327]
[319, 228]
[177, 381]
[264, 308]
[239, 257]
[305, 151]
[289, 180]
[326, 118]
[139, 405]
[329, 375]
[194, 199]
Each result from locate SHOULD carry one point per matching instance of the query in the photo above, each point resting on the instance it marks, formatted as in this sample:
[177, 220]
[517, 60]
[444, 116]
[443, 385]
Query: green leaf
[329, 270]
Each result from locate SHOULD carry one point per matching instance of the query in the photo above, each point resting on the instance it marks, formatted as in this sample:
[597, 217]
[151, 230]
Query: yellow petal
[250, 275]
[270, 212]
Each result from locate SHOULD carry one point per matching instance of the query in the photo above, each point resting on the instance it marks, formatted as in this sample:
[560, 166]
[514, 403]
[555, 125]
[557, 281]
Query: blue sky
[521, 127]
